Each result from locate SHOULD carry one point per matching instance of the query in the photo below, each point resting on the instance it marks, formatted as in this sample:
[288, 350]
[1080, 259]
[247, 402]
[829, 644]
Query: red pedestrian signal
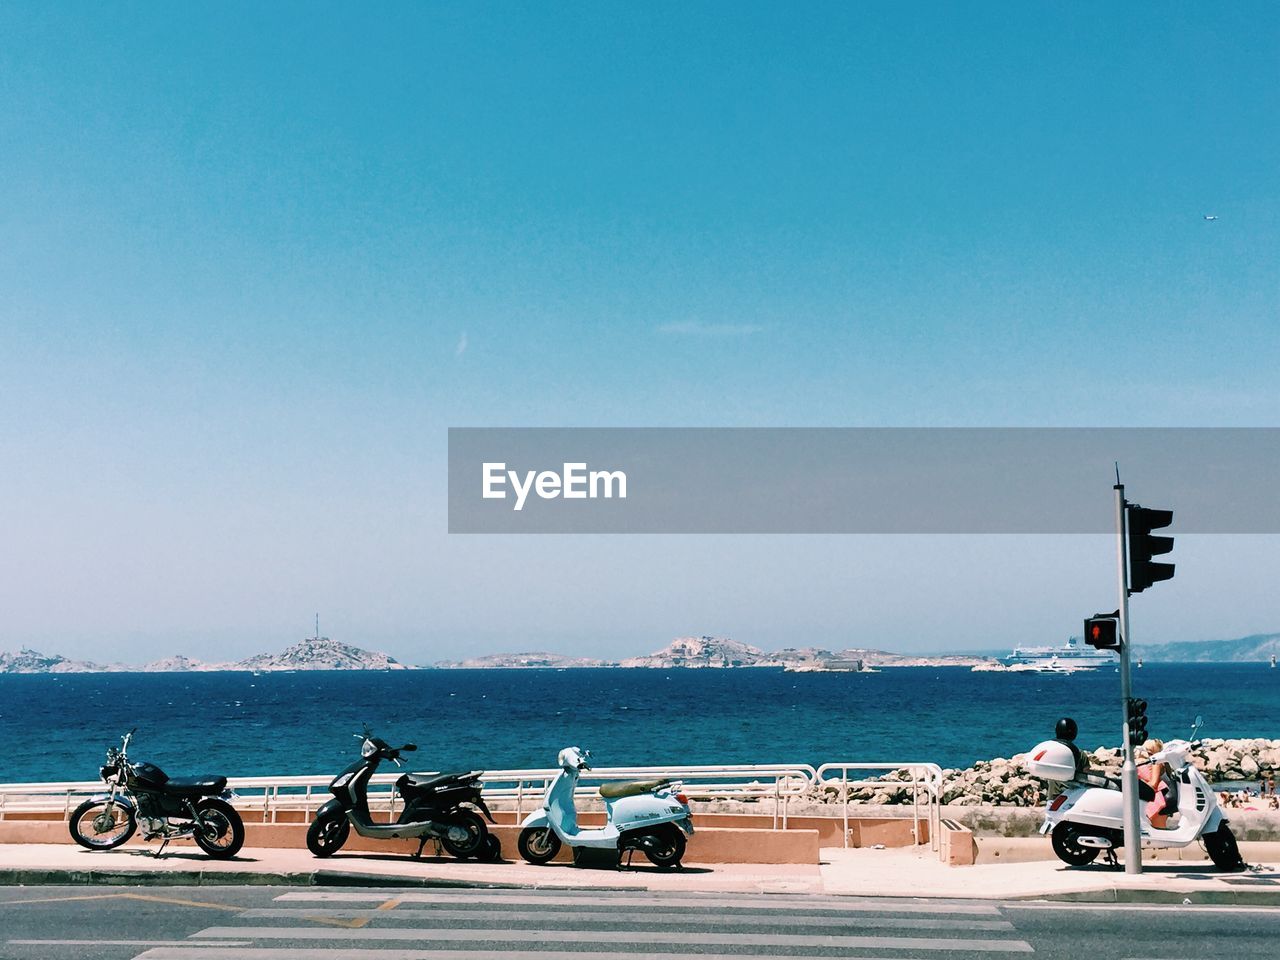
[1102, 633]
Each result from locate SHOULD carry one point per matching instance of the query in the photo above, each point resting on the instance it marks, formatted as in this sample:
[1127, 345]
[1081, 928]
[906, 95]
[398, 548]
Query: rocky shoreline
[1006, 782]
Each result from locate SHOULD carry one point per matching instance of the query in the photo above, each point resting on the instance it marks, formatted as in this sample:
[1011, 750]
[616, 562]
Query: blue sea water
[57, 727]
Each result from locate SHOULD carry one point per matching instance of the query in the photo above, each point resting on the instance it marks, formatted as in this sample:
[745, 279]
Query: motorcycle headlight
[367, 749]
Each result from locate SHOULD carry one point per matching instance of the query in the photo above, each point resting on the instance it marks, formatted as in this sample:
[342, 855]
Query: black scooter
[441, 808]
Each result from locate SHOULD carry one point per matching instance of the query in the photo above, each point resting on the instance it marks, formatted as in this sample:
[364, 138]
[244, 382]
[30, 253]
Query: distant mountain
[508, 661]
[321, 653]
[1260, 646]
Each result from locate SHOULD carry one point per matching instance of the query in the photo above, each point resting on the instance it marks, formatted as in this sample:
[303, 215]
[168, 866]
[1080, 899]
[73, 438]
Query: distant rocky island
[705, 652]
[721, 653]
[313, 653]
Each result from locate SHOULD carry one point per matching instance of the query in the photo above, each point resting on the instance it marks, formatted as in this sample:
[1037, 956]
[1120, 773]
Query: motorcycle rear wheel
[95, 832]
[219, 831]
[1067, 850]
[1222, 849]
[326, 835]
[538, 844]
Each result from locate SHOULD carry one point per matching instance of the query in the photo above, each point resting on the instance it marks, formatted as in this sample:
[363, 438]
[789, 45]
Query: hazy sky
[255, 260]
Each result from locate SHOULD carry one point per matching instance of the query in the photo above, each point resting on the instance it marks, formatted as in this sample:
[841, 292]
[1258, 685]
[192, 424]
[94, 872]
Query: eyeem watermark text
[574, 482]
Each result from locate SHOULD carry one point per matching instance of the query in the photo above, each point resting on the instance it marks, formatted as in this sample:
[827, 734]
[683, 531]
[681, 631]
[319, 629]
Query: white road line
[744, 902]
[614, 936]
[360, 953]
[1141, 907]
[558, 917]
[204, 947]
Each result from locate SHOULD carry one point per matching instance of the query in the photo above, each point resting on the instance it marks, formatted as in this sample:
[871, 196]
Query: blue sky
[255, 260]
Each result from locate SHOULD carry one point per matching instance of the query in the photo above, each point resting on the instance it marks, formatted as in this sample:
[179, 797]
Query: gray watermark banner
[857, 480]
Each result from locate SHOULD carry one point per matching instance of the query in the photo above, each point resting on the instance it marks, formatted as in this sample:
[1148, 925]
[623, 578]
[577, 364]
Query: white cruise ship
[1073, 655]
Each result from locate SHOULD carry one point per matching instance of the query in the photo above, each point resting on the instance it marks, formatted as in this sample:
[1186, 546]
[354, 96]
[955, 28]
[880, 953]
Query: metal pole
[1129, 771]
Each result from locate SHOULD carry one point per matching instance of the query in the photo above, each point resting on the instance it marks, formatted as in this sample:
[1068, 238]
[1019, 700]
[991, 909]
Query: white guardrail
[925, 778]
[523, 789]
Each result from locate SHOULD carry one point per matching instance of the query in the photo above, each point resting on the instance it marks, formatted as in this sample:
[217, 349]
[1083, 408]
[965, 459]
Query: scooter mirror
[409, 747]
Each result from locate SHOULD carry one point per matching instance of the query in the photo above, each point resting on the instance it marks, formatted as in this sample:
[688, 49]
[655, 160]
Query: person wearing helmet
[1065, 731]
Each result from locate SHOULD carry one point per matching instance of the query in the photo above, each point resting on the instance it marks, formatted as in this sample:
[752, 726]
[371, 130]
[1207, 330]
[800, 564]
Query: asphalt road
[266, 923]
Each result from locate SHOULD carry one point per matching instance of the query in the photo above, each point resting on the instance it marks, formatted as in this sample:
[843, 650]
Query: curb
[1188, 898]
[31, 877]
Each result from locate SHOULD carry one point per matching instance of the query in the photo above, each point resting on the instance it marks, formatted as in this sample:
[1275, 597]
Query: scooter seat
[630, 788]
[415, 781]
[195, 786]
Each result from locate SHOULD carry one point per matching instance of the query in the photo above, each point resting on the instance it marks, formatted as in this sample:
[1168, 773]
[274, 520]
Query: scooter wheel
[326, 835]
[538, 844]
[1066, 848]
[664, 849]
[1221, 845]
[476, 834]
[491, 852]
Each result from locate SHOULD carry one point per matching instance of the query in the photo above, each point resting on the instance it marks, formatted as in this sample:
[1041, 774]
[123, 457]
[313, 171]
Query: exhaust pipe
[1097, 843]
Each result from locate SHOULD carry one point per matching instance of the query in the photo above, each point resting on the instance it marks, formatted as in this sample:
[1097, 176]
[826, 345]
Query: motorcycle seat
[195, 786]
[630, 788]
[418, 781]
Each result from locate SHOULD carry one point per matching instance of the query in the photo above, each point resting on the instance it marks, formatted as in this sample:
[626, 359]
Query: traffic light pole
[1129, 772]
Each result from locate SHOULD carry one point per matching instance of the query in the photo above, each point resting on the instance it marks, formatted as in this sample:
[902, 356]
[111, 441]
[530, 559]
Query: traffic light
[1102, 632]
[1143, 571]
[1137, 712]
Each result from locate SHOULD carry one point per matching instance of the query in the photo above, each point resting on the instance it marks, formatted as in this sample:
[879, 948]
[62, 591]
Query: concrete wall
[723, 843]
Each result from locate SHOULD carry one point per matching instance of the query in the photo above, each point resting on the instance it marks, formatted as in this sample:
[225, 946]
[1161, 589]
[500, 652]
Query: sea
[57, 727]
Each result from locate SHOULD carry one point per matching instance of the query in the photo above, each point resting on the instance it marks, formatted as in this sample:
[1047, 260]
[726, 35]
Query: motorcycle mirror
[409, 747]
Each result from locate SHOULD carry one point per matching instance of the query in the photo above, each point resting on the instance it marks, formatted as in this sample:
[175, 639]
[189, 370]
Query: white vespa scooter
[1087, 818]
[651, 816]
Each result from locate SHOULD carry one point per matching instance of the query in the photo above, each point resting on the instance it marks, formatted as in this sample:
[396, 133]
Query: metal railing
[924, 777]
[524, 788]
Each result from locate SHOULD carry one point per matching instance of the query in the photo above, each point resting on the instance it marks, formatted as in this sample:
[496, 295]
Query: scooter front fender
[332, 808]
[536, 819]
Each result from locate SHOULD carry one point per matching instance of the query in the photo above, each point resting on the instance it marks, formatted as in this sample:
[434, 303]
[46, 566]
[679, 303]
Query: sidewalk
[857, 872]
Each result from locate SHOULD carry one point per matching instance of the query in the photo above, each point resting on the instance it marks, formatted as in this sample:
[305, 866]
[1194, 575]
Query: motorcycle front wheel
[102, 824]
[538, 844]
[219, 831]
[1222, 849]
[1067, 850]
[326, 835]
[477, 835]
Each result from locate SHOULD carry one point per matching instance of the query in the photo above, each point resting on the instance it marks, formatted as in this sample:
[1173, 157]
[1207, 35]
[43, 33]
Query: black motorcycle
[440, 807]
[165, 807]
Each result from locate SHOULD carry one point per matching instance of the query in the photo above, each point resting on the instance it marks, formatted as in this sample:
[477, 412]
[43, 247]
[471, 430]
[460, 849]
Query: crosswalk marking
[358, 953]
[693, 902]
[604, 915]
[444, 934]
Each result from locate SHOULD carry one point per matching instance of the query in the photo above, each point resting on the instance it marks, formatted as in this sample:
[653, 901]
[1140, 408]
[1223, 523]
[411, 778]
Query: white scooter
[651, 816]
[1087, 818]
